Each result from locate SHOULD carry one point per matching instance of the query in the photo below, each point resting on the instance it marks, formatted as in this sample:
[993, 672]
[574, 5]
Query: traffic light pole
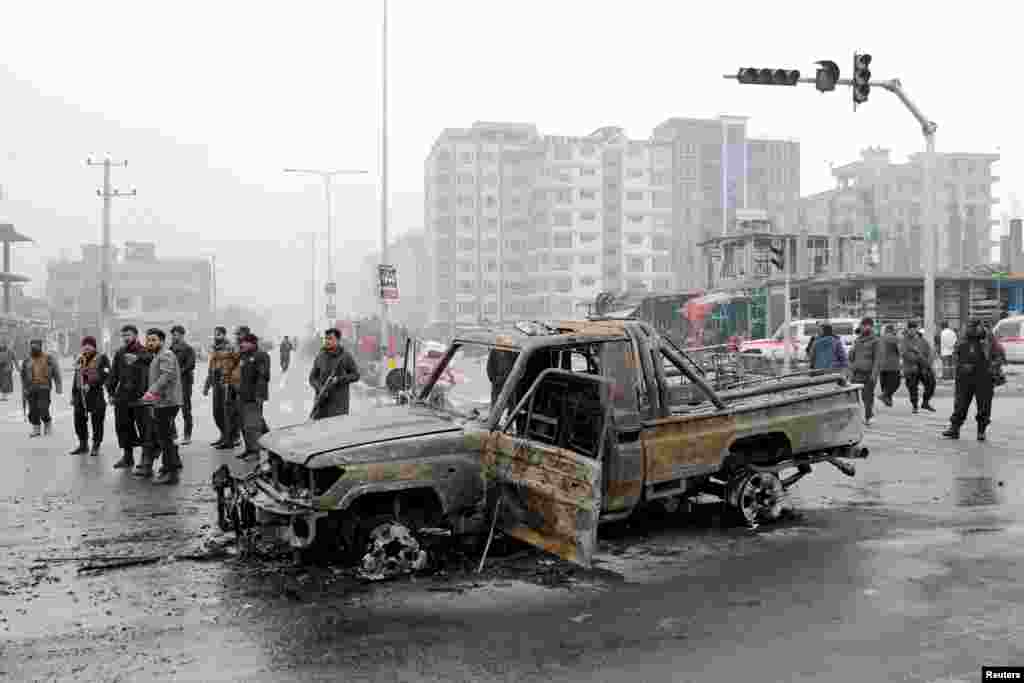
[928, 128]
[787, 335]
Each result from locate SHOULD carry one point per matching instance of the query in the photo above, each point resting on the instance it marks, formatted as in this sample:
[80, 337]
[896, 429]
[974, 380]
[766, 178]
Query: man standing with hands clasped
[252, 392]
[163, 397]
[865, 364]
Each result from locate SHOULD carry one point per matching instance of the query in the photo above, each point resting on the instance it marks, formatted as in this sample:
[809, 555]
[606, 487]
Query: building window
[467, 307]
[563, 284]
[467, 244]
[465, 202]
[466, 221]
[635, 240]
[587, 237]
[466, 266]
[490, 180]
[588, 260]
[635, 218]
[562, 218]
[491, 245]
[490, 201]
[588, 216]
[661, 179]
[635, 173]
[466, 157]
[635, 196]
[662, 285]
[492, 223]
[563, 240]
[587, 281]
[465, 179]
[587, 150]
[588, 194]
[635, 265]
[563, 152]
[562, 262]
[660, 264]
[659, 243]
[465, 286]
[588, 172]
[564, 197]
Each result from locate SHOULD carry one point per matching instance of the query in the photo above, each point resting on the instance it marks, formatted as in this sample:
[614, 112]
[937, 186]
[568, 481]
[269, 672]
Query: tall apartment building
[873, 191]
[521, 224]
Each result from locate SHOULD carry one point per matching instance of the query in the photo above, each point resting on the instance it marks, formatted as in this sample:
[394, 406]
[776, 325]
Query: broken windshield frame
[459, 385]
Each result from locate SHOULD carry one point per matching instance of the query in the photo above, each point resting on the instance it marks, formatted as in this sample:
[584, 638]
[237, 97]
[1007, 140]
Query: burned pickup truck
[546, 432]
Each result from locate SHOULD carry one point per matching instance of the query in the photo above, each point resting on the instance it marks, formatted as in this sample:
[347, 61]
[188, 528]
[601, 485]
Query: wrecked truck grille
[288, 475]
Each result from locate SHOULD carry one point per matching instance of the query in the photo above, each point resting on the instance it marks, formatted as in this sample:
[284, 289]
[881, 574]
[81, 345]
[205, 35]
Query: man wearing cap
[254, 375]
[91, 372]
[163, 398]
[978, 358]
[186, 356]
[39, 374]
[220, 361]
[916, 355]
[129, 374]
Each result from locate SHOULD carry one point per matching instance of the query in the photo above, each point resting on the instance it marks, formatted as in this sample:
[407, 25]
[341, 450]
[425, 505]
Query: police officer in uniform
[978, 359]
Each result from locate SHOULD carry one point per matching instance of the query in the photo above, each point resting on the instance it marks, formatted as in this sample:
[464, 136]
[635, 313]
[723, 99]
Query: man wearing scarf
[91, 372]
[163, 400]
[232, 380]
[126, 384]
[254, 368]
[39, 374]
[220, 361]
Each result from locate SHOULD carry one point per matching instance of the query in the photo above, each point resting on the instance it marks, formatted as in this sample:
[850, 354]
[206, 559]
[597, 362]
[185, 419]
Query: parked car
[801, 332]
[1010, 333]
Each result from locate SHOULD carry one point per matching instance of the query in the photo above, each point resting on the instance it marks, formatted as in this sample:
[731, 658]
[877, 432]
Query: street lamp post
[384, 322]
[330, 287]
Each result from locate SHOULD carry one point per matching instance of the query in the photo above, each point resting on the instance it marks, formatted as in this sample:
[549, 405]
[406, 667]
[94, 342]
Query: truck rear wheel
[755, 497]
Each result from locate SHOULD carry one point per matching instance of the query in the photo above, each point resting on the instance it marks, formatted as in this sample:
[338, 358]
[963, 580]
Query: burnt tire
[385, 548]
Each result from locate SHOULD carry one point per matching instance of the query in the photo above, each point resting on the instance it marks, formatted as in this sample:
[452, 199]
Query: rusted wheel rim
[758, 497]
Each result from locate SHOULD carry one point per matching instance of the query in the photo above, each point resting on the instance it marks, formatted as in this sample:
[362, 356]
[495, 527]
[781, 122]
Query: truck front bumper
[249, 504]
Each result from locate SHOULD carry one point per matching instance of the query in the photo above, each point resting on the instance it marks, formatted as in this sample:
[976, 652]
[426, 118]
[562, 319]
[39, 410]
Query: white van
[1010, 333]
[801, 332]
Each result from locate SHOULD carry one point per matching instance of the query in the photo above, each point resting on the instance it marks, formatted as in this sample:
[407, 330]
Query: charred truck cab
[553, 429]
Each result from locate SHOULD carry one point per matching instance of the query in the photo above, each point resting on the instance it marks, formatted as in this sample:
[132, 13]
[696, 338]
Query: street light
[327, 176]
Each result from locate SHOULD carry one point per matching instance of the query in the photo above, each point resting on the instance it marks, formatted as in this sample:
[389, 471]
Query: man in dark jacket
[916, 354]
[978, 359]
[286, 353]
[186, 356]
[865, 363]
[129, 377]
[40, 373]
[253, 390]
[219, 364]
[333, 371]
[91, 372]
[889, 373]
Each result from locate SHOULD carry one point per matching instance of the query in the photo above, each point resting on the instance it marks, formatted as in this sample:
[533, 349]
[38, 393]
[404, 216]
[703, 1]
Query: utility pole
[330, 286]
[107, 193]
[312, 282]
[826, 79]
[385, 331]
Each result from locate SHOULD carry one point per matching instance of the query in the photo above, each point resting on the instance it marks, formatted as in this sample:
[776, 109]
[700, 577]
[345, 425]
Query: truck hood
[299, 442]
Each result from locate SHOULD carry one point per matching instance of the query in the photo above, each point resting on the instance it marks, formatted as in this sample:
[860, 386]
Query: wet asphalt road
[907, 572]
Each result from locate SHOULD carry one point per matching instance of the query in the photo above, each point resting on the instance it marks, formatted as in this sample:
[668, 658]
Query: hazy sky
[264, 85]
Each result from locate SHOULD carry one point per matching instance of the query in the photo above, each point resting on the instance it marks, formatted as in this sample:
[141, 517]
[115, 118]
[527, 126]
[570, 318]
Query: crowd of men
[149, 381]
[974, 360]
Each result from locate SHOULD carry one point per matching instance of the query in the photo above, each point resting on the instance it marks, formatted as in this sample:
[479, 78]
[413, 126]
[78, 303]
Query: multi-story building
[523, 224]
[716, 170]
[145, 290]
[882, 200]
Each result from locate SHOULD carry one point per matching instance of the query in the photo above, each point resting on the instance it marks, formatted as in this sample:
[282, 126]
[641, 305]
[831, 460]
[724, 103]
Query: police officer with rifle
[333, 371]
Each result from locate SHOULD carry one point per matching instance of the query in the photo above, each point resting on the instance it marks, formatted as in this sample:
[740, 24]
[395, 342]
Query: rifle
[322, 393]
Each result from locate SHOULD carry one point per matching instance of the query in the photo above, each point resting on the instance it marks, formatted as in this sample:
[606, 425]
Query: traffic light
[754, 76]
[827, 76]
[778, 255]
[861, 78]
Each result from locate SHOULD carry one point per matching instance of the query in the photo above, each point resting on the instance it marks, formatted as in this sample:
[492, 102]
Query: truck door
[544, 468]
[624, 473]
